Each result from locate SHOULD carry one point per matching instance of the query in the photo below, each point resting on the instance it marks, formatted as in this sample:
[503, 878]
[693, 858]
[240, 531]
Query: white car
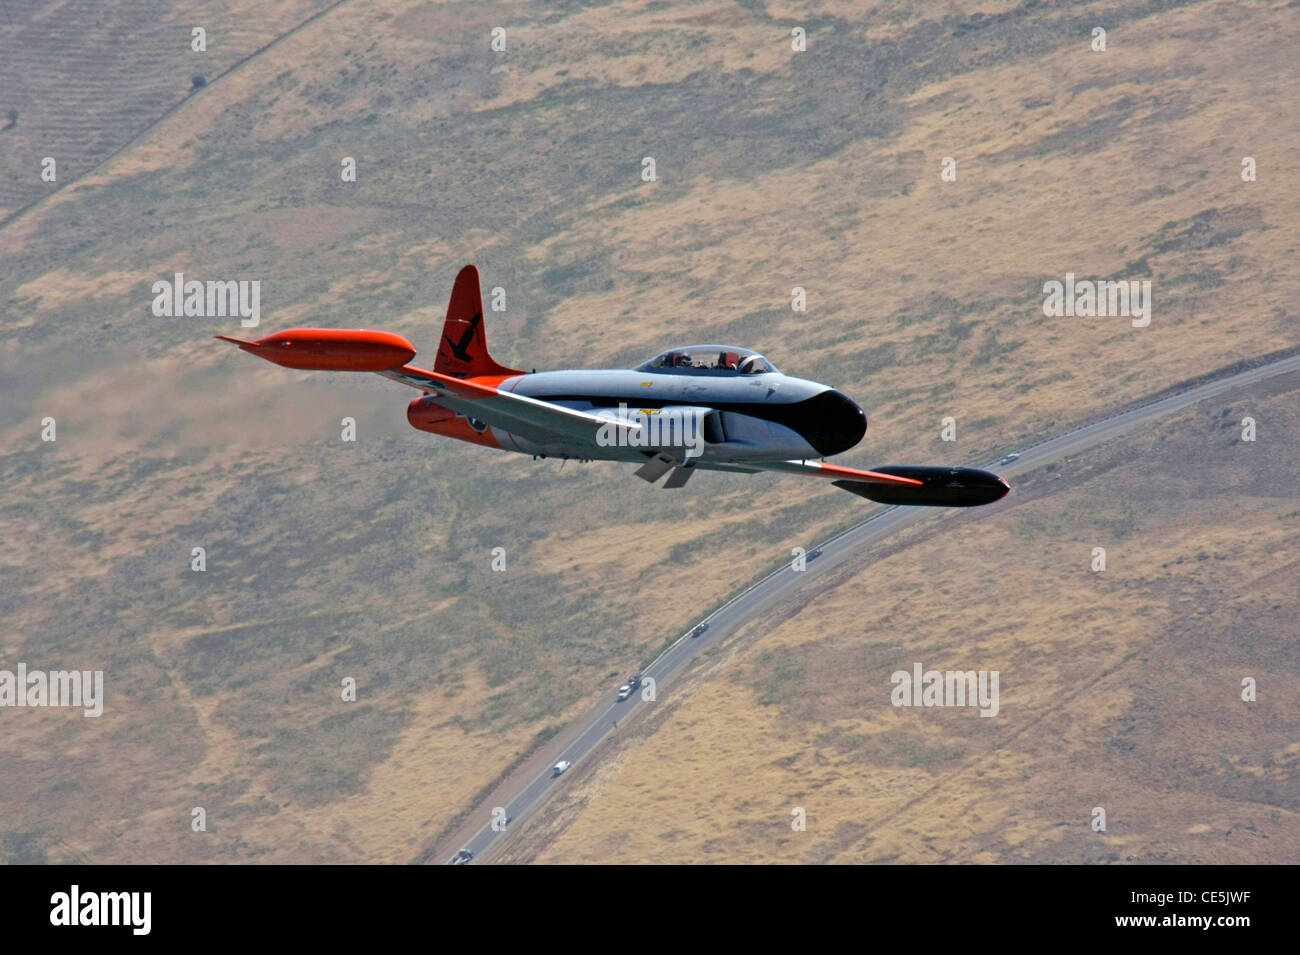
[1013, 456]
[624, 692]
[559, 768]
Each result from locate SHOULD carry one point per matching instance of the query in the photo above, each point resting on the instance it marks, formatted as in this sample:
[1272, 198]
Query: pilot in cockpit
[737, 361]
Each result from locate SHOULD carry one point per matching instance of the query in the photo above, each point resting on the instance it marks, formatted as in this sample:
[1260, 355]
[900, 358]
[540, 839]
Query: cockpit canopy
[709, 359]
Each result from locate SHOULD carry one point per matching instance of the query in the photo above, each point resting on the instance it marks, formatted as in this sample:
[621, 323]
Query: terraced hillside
[371, 560]
[82, 82]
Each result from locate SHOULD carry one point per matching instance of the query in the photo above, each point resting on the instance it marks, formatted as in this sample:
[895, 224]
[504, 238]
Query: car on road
[624, 692]
[559, 768]
[462, 858]
[1008, 458]
[634, 681]
[814, 553]
[699, 630]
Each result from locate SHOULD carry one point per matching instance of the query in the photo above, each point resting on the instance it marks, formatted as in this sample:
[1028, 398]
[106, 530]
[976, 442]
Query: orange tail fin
[463, 352]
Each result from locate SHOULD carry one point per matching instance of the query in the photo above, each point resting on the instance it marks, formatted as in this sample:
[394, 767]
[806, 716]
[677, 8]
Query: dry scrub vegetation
[370, 560]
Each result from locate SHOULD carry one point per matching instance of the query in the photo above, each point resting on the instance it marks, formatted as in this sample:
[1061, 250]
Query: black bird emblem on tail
[461, 349]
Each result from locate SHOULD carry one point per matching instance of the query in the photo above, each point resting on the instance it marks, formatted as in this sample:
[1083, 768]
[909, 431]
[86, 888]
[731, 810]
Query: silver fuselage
[723, 417]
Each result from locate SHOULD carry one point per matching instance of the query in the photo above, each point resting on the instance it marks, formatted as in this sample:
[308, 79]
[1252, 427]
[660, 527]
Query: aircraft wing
[910, 484]
[531, 418]
[833, 472]
[342, 349]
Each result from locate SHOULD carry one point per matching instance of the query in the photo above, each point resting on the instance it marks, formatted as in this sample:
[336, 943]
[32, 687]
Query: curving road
[755, 600]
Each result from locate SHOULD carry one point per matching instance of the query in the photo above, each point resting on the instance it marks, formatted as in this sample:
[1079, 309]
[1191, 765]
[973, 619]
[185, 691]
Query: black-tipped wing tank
[940, 487]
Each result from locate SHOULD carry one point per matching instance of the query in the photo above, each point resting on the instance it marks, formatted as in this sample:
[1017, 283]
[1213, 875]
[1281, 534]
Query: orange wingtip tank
[331, 349]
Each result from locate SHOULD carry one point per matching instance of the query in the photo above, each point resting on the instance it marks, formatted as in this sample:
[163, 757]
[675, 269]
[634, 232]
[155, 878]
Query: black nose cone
[831, 422]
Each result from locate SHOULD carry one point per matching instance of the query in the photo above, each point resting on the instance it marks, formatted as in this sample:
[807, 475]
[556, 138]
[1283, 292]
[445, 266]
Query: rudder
[463, 351]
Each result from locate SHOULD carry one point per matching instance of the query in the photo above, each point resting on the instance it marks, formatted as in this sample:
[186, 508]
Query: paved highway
[755, 600]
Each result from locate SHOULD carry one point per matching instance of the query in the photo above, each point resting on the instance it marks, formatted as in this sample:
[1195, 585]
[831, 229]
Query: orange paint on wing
[834, 470]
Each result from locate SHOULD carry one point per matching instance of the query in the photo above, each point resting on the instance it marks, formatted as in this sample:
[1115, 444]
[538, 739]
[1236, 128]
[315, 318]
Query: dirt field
[371, 560]
[1119, 689]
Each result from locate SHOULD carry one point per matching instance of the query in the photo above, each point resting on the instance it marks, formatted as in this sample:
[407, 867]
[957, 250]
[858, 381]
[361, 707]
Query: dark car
[634, 681]
[462, 858]
[699, 630]
[814, 553]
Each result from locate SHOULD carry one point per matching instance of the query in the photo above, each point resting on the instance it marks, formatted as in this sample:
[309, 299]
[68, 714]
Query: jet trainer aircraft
[696, 408]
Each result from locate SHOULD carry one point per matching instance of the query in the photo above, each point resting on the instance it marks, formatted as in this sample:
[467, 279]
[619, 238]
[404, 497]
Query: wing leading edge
[530, 418]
